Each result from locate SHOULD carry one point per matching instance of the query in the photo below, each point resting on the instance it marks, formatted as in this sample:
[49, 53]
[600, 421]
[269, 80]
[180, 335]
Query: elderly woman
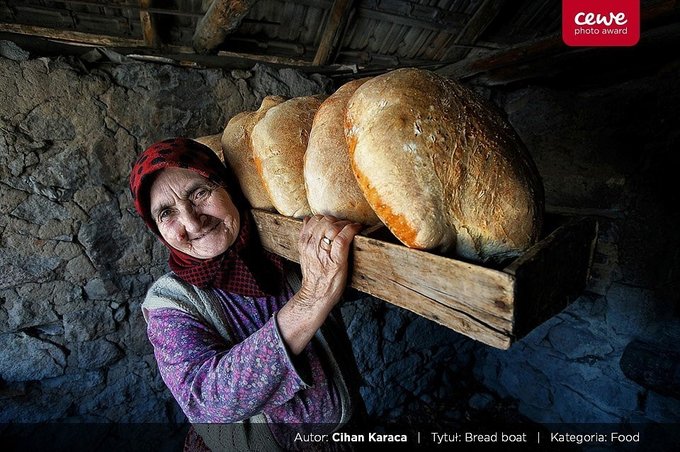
[238, 337]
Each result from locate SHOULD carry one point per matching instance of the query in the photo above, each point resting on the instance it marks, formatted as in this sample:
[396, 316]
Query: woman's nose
[191, 219]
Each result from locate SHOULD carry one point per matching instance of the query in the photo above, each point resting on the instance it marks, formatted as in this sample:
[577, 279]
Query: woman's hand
[324, 247]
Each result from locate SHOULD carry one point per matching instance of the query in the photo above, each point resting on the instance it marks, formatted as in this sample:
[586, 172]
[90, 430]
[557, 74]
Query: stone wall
[75, 260]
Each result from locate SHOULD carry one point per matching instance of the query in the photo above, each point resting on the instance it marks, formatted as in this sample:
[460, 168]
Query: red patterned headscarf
[245, 268]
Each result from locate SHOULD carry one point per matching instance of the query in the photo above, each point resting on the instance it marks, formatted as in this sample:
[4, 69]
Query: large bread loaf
[238, 152]
[441, 168]
[330, 183]
[279, 141]
[213, 142]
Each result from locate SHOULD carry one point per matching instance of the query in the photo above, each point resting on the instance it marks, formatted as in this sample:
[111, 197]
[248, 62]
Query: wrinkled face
[193, 214]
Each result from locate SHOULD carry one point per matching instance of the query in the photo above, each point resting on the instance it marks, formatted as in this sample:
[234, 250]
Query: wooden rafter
[74, 37]
[571, 59]
[545, 47]
[222, 17]
[148, 26]
[518, 54]
[337, 18]
[473, 29]
[93, 40]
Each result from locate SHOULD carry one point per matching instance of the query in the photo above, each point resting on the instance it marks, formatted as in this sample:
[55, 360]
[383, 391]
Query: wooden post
[223, 17]
[148, 28]
[337, 18]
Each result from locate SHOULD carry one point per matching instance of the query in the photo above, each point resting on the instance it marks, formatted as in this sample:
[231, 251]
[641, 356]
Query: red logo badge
[598, 23]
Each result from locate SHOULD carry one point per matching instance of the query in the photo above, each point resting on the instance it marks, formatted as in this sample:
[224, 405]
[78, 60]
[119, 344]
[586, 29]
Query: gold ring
[326, 240]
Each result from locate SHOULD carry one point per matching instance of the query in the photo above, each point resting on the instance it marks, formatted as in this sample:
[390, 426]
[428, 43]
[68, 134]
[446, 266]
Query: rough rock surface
[76, 261]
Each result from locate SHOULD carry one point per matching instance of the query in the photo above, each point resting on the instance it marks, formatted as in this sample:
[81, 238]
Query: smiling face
[193, 215]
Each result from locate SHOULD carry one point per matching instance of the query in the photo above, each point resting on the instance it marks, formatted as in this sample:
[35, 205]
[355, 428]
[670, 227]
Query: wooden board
[496, 307]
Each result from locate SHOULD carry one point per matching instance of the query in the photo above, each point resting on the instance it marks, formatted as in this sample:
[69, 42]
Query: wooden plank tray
[494, 306]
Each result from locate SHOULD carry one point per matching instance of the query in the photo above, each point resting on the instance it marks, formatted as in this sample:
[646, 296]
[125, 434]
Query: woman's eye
[201, 193]
[164, 215]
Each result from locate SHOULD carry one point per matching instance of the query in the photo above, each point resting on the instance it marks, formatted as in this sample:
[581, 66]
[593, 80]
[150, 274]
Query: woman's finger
[323, 226]
[305, 233]
[328, 230]
[343, 240]
[314, 225]
[311, 244]
[331, 230]
[318, 237]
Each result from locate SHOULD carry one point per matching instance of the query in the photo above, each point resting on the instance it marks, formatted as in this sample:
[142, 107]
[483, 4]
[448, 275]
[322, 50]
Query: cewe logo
[598, 23]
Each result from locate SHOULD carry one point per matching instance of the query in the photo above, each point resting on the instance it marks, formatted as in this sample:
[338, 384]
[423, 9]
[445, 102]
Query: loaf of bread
[330, 183]
[279, 141]
[441, 168]
[213, 142]
[238, 152]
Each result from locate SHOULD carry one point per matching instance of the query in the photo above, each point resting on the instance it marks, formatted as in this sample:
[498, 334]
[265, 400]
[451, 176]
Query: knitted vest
[171, 292]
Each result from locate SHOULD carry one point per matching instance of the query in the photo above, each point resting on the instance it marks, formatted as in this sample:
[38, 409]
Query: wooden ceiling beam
[452, 22]
[473, 29]
[601, 60]
[222, 17]
[73, 37]
[332, 35]
[109, 5]
[518, 54]
[92, 40]
[148, 24]
[544, 47]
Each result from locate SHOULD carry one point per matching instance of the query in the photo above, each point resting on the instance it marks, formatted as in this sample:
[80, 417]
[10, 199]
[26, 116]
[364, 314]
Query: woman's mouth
[203, 234]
